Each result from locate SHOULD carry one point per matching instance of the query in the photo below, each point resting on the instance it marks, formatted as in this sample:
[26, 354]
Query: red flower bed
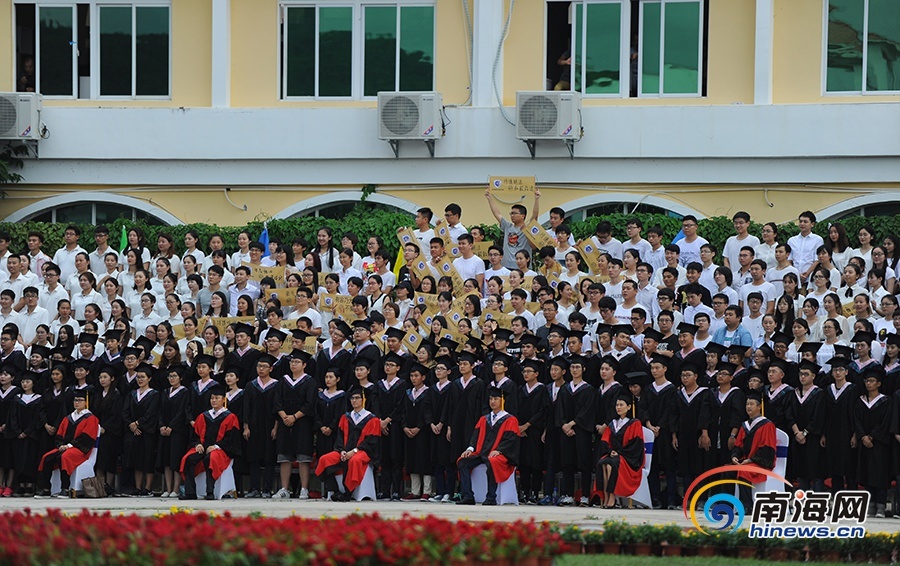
[202, 539]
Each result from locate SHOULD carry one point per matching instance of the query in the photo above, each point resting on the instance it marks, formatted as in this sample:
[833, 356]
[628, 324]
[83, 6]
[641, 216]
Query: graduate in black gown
[295, 405]
[244, 356]
[361, 376]
[727, 409]
[8, 393]
[365, 349]
[463, 408]
[330, 403]
[501, 380]
[576, 415]
[418, 416]
[141, 415]
[691, 423]
[234, 402]
[391, 391]
[871, 422]
[559, 375]
[335, 356]
[107, 405]
[444, 464]
[658, 400]
[356, 448]
[808, 410]
[174, 430]
[75, 438]
[25, 428]
[688, 353]
[608, 391]
[840, 441]
[260, 427]
[534, 407]
[201, 389]
[214, 443]
[777, 397]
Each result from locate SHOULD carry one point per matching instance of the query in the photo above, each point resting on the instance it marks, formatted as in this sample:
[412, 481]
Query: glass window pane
[681, 65]
[650, 48]
[603, 49]
[56, 50]
[845, 25]
[571, 75]
[883, 46]
[115, 50]
[300, 68]
[152, 57]
[380, 72]
[335, 51]
[75, 214]
[107, 213]
[417, 48]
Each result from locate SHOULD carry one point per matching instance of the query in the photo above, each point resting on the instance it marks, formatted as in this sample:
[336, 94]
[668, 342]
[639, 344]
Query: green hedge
[365, 221]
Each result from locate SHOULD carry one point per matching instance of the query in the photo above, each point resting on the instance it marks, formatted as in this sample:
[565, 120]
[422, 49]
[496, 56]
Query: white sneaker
[304, 493]
[164, 495]
[446, 498]
[282, 494]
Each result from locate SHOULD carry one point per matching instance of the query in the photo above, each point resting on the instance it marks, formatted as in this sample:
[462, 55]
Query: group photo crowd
[610, 371]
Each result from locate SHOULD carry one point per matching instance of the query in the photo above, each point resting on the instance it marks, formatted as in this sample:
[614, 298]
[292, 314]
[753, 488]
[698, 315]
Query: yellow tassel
[87, 404]
[502, 403]
[762, 405]
[632, 408]
[225, 401]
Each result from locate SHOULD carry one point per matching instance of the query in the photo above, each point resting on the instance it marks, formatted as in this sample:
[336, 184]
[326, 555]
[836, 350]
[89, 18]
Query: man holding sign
[514, 239]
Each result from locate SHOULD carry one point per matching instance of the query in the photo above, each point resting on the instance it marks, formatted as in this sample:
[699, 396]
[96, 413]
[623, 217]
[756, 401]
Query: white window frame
[94, 15]
[662, 50]
[95, 49]
[865, 58]
[624, 46]
[357, 61]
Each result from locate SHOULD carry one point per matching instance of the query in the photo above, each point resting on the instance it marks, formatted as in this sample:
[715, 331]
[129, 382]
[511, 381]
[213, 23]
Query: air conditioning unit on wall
[410, 116]
[548, 115]
[20, 116]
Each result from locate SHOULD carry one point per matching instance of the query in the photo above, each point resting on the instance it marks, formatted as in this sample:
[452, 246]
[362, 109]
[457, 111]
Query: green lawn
[603, 559]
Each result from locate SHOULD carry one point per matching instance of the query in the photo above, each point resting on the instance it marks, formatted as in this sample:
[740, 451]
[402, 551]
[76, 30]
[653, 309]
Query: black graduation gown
[69, 396]
[328, 413]
[174, 412]
[580, 405]
[126, 384]
[840, 458]
[895, 429]
[140, 450]
[54, 412]
[697, 356]
[259, 417]
[7, 398]
[28, 418]
[873, 420]
[777, 408]
[725, 414]
[372, 398]
[390, 400]
[246, 365]
[17, 359]
[606, 402]
[236, 405]
[293, 397]
[691, 416]
[341, 361]
[440, 446]
[372, 353]
[659, 410]
[199, 400]
[461, 413]
[108, 410]
[631, 452]
[891, 382]
[418, 413]
[534, 408]
[368, 444]
[808, 460]
[855, 371]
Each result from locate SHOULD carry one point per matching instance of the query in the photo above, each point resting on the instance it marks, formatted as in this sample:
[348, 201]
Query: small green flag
[123, 242]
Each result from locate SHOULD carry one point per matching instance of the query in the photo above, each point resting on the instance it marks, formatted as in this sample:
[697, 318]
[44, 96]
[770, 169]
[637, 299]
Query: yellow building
[223, 111]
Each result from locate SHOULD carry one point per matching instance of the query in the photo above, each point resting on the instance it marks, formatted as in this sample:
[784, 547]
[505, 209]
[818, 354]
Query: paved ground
[587, 517]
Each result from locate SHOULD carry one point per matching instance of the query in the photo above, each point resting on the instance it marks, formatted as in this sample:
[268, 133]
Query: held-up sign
[511, 190]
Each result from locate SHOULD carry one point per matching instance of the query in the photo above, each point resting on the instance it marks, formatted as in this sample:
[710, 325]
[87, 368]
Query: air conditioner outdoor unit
[409, 116]
[20, 116]
[548, 115]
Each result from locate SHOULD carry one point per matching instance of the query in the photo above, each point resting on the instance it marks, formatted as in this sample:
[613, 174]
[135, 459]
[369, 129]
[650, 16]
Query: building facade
[223, 111]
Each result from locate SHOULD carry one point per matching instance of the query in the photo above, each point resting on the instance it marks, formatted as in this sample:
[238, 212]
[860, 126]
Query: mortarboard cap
[688, 328]
[205, 359]
[638, 378]
[243, 327]
[397, 333]
[810, 366]
[431, 347]
[468, 357]
[392, 357]
[298, 354]
[863, 336]
[145, 344]
[420, 368]
[298, 334]
[623, 329]
[715, 348]
[780, 364]
[496, 392]
[809, 347]
[363, 323]
[343, 328]
[131, 351]
[42, 351]
[503, 334]
[845, 351]
[216, 389]
[781, 338]
[85, 338]
[754, 396]
[536, 365]
[726, 367]
[559, 330]
[275, 333]
[267, 359]
[653, 334]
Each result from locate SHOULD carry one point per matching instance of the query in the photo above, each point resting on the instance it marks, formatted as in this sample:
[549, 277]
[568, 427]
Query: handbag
[94, 488]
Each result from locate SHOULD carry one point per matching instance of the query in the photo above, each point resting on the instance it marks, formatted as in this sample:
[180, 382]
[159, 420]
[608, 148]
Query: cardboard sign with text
[287, 296]
[538, 236]
[258, 272]
[481, 249]
[511, 190]
[589, 253]
[446, 269]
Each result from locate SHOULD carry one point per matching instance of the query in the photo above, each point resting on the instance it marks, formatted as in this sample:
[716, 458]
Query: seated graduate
[75, 438]
[355, 447]
[621, 453]
[216, 440]
[754, 446]
[495, 442]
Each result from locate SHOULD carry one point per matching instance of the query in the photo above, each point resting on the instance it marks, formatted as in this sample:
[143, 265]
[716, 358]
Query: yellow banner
[590, 253]
[538, 236]
[412, 341]
[222, 322]
[511, 190]
[481, 249]
[257, 272]
[445, 267]
[442, 231]
[503, 319]
[427, 299]
[287, 296]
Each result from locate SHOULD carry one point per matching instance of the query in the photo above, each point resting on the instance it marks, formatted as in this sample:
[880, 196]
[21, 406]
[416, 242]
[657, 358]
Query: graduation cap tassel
[502, 403]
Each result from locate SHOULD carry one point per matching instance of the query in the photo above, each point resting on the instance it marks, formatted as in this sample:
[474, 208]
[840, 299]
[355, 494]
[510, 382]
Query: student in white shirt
[423, 232]
[469, 265]
[65, 256]
[804, 245]
[733, 245]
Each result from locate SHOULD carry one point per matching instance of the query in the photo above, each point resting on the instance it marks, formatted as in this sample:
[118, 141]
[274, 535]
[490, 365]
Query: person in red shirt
[754, 446]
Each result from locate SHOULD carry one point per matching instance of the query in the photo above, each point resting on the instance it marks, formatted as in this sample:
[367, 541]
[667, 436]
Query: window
[624, 208]
[623, 48]
[357, 49]
[134, 51]
[94, 213]
[129, 57]
[339, 210]
[862, 39]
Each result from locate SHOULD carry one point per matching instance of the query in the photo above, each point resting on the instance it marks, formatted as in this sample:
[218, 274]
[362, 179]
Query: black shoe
[489, 502]
[466, 502]
[252, 494]
[210, 497]
[188, 497]
[42, 494]
[457, 497]
[380, 496]
[395, 497]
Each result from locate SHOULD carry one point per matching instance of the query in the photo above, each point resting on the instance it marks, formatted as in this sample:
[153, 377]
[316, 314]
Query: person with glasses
[513, 229]
[691, 243]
